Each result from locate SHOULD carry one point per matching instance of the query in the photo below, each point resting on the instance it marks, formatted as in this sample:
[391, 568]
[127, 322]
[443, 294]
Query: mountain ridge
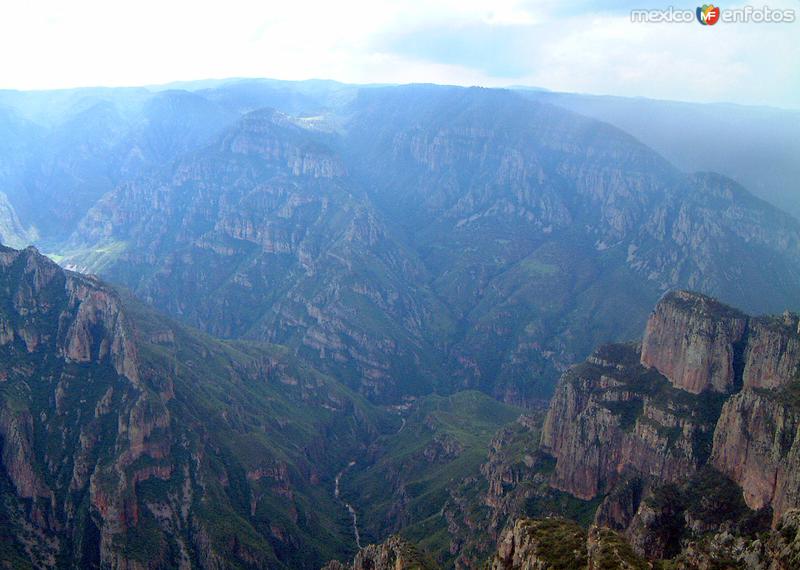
[541, 185]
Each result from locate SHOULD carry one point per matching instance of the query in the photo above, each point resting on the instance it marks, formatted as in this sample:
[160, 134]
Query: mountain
[129, 441]
[692, 431]
[756, 146]
[531, 219]
[264, 235]
[676, 452]
[427, 238]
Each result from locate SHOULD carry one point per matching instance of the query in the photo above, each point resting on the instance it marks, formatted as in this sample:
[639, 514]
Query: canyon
[299, 325]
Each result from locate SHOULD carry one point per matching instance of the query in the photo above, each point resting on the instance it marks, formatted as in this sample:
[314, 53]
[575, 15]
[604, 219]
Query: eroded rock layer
[709, 387]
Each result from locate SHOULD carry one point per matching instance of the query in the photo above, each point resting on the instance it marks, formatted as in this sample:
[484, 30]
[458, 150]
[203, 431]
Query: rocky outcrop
[772, 355]
[89, 323]
[693, 340]
[611, 416]
[778, 549]
[545, 544]
[757, 443]
[710, 386]
[98, 329]
[394, 554]
[700, 344]
[557, 544]
[532, 544]
[608, 549]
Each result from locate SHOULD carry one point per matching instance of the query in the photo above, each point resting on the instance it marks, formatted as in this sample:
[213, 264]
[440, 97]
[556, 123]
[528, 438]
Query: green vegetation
[613, 552]
[415, 470]
[95, 259]
[559, 544]
[560, 504]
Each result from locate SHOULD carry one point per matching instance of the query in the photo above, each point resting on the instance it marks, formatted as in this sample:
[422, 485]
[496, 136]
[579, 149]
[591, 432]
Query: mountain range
[132, 441]
[406, 240]
[306, 324]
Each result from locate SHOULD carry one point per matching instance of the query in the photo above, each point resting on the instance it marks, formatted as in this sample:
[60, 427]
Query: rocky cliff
[263, 235]
[556, 543]
[611, 416]
[393, 554]
[694, 341]
[430, 233]
[708, 388]
[69, 356]
[131, 442]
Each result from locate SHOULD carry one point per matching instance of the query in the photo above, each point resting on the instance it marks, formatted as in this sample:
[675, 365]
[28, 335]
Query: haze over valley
[501, 298]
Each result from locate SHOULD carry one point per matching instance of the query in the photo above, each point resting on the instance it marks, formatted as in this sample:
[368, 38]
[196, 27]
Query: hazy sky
[571, 45]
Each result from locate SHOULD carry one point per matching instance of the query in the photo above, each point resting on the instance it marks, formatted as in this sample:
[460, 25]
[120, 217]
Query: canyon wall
[708, 387]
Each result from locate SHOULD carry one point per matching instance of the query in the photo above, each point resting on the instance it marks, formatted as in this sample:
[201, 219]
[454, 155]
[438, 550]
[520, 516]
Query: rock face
[122, 433]
[773, 352]
[694, 341]
[757, 443]
[435, 233]
[394, 554]
[63, 333]
[611, 416]
[553, 543]
[710, 387]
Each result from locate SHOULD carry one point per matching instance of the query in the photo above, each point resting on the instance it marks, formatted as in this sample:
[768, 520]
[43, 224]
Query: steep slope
[547, 232]
[132, 442]
[262, 235]
[756, 146]
[704, 410]
[440, 232]
[394, 554]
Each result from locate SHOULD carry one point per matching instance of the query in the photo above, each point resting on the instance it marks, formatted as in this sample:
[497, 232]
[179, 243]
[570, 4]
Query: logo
[708, 14]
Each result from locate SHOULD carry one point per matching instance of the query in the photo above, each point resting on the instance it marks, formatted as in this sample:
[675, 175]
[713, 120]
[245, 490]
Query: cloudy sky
[570, 45]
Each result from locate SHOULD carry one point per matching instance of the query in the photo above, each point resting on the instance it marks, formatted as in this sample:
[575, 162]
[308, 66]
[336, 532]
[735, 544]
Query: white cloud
[87, 42]
[609, 54]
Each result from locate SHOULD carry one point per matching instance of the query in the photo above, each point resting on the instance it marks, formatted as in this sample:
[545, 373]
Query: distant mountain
[756, 146]
[263, 235]
[19, 139]
[440, 238]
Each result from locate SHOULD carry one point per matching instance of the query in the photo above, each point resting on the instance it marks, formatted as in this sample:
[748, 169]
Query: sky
[571, 45]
